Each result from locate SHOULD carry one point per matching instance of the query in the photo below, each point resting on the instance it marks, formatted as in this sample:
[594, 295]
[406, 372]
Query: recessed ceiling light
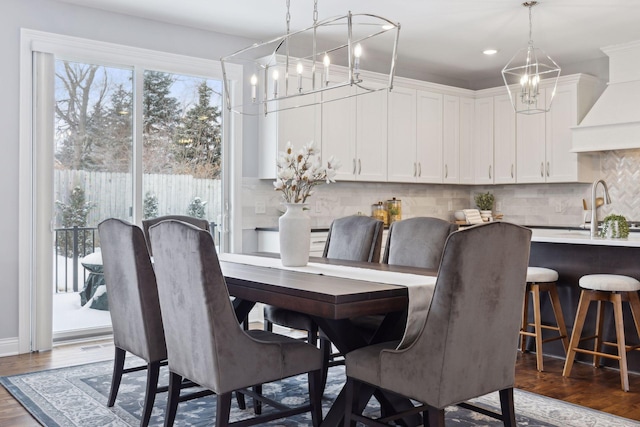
[490, 51]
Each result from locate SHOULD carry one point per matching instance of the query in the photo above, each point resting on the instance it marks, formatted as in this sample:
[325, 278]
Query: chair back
[205, 342]
[417, 242]
[131, 290]
[147, 223]
[468, 344]
[354, 238]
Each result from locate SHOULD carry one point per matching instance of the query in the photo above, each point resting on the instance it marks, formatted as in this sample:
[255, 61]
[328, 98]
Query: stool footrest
[553, 338]
[549, 327]
[627, 347]
[597, 353]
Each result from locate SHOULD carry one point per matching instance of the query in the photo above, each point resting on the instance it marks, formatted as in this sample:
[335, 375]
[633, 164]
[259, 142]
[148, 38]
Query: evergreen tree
[74, 213]
[197, 141]
[150, 206]
[197, 208]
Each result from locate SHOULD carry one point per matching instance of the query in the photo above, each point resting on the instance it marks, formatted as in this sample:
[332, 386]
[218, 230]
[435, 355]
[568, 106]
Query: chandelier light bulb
[357, 53]
[300, 70]
[326, 61]
[254, 82]
[275, 77]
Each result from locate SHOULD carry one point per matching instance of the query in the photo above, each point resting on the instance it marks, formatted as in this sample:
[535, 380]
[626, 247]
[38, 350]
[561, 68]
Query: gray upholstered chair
[133, 305]
[205, 343]
[417, 242]
[468, 341]
[147, 223]
[352, 238]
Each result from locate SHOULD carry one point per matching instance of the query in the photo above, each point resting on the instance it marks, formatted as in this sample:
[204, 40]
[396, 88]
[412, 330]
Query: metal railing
[72, 243]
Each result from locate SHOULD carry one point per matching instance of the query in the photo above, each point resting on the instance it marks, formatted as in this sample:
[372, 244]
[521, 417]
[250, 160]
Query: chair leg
[634, 305]
[507, 407]
[433, 417]
[616, 299]
[537, 321]
[597, 346]
[257, 404]
[173, 398]
[557, 312]
[223, 409]
[315, 397]
[153, 371]
[525, 319]
[116, 377]
[581, 315]
[242, 403]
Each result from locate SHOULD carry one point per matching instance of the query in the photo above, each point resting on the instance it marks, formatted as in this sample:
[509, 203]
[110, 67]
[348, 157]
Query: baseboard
[9, 347]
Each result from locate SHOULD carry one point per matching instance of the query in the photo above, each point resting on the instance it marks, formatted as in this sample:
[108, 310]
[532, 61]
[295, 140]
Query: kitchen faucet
[594, 215]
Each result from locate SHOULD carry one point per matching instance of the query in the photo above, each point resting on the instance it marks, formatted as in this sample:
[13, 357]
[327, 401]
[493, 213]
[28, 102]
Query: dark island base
[573, 261]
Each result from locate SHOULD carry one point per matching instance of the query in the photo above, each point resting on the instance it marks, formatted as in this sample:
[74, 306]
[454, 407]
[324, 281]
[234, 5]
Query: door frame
[35, 274]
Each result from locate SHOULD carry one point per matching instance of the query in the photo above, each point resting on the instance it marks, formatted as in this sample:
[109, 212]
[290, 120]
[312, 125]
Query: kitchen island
[573, 253]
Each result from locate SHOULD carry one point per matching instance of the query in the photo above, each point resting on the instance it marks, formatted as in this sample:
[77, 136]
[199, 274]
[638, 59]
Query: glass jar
[378, 211]
[394, 208]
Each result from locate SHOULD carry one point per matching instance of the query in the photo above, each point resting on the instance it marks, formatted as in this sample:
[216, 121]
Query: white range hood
[613, 123]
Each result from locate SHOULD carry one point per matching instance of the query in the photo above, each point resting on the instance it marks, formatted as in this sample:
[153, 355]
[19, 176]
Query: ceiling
[437, 37]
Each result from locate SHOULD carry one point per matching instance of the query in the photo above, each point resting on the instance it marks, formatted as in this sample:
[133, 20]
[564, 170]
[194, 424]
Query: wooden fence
[111, 193]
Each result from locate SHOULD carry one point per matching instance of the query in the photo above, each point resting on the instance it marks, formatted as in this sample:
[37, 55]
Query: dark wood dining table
[331, 301]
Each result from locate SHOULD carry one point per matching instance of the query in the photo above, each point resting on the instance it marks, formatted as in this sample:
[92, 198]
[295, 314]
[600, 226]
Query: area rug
[77, 396]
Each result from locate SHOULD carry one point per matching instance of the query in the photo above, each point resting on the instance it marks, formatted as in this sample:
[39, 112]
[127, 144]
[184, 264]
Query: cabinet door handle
[511, 170]
[354, 167]
[490, 171]
[542, 169]
[548, 169]
[415, 169]
[359, 167]
[419, 169]
[446, 171]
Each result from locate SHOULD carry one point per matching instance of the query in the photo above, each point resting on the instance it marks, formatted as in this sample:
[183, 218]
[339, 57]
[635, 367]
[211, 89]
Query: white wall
[62, 18]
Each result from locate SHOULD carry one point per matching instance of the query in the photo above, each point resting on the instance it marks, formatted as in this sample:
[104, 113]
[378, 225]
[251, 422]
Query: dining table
[333, 292]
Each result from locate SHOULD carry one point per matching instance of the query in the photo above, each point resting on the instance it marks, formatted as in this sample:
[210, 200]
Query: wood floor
[594, 388]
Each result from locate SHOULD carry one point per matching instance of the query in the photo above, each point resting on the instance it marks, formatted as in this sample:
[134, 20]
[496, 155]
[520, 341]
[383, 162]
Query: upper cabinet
[544, 140]
[483, 168]
[299, 126]
[504, 140]
[402, 161]
[429, 131]
[354, 131]
[426, 133]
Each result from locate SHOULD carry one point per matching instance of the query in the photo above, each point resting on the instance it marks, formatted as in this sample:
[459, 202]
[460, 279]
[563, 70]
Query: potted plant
[615, 227]
[484, 202]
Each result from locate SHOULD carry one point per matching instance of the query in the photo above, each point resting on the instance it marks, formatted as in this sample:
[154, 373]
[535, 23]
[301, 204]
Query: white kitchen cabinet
[561, 164]
[530, 148]
[504, 140]
[429, 136]
[544, 140]
[483, 169]
[402, 160]
[467, 131]
[354, 131]
[299, 126]
[451, 139]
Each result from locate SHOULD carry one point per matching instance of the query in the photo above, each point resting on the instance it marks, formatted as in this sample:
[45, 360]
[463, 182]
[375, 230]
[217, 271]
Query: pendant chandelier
[524, 73]
[298, 68]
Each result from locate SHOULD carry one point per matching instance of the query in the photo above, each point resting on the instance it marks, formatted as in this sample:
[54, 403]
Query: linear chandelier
[523, 73]
[298, 68]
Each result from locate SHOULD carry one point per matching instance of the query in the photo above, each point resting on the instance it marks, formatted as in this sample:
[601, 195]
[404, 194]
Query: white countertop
[580, 237]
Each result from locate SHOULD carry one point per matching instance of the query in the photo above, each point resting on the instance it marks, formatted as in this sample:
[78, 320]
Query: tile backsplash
[534, 204]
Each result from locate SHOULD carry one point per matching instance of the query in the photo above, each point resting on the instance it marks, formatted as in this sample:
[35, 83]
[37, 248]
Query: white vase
[295, 235]
[486, 215]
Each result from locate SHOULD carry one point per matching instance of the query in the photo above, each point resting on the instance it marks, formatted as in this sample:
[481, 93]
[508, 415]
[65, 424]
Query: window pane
[92, 181]
[182, 147]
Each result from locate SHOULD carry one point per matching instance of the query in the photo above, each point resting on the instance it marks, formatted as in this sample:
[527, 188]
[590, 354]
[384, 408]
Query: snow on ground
[68, 314]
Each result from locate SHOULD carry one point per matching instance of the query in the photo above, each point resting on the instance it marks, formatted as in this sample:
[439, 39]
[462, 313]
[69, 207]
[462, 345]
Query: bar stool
[615, 289]
[539, 280]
